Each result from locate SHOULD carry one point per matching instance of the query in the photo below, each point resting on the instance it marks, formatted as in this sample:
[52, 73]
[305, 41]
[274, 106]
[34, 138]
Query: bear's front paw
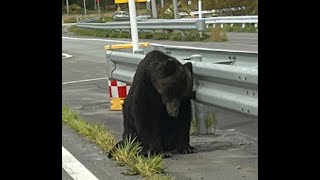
[187, 150]
[166, 155]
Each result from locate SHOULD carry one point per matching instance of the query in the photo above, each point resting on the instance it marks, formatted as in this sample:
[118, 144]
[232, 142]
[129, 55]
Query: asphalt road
[232, 153]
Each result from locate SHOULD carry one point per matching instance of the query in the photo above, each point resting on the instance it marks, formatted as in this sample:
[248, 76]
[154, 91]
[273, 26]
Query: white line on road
[66, 55]
[87, 39]
[74, 168]
[85, 80]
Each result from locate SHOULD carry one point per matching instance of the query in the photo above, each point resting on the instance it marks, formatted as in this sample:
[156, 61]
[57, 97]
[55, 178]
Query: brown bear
[157, 110]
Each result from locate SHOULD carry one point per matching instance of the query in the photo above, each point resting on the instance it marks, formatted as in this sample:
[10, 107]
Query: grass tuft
[97, 133]
[149, 167]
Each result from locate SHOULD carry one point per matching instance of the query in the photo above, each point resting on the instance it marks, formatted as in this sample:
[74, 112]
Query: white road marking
[87, 39]
[85, 80]
[74, 168]
[66, 55]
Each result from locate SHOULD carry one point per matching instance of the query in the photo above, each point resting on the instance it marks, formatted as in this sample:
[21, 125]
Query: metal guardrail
[224, 86]
[232, 20]
[193, 24]
[220, 56]
[172, 24]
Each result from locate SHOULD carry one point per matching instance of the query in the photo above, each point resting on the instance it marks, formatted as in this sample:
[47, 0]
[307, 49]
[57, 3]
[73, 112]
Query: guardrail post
[243, 25]
[203, 120]
[201, 25]
[221, 25]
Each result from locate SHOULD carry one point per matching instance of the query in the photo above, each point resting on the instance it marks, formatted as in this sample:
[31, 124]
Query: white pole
[175, 9]
[67, 6]
[99, 8]
[133, 25]
[154, 9]
[199, 7]
[162, 4]
[84, 6]
[95, 5]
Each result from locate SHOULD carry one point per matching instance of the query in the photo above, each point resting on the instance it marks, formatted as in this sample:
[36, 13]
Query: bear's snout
[173, 108]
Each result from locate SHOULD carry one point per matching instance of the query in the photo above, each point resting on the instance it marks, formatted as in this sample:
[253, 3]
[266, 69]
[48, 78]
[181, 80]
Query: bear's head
[174, 84]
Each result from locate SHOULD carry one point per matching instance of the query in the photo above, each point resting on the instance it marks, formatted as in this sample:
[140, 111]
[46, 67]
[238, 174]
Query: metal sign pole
[133, 26]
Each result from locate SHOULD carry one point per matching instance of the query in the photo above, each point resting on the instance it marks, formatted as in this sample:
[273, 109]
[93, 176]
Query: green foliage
[145, 35]
[113, 34]
[148, 166]
[123, 35]
[97, 133]
[160, 36]
[75, 9]
[176, 37]
[251, 6]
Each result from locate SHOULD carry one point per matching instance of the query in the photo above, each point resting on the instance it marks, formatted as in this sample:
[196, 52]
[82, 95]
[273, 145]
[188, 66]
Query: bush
[160, 36]
[145, 35]
[113, 34]
[218, 35]
[123, 35]
[107, 33]
[176, 37]
[75, 9]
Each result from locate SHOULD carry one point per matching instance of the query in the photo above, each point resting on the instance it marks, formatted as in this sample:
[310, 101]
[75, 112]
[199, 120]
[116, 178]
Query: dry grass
[218, 35]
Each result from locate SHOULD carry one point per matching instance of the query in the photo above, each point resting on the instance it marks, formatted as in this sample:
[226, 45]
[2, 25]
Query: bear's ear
[159, 85]
[188, 65]
[170, 67]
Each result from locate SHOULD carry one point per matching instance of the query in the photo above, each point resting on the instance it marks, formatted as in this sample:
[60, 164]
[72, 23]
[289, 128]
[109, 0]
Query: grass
[218, 35]
[188, 35]
[194, 127]
[91, 32]
[127, 153]
[211, 121]
[150, 167]
[72, 18]
[96, 133]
